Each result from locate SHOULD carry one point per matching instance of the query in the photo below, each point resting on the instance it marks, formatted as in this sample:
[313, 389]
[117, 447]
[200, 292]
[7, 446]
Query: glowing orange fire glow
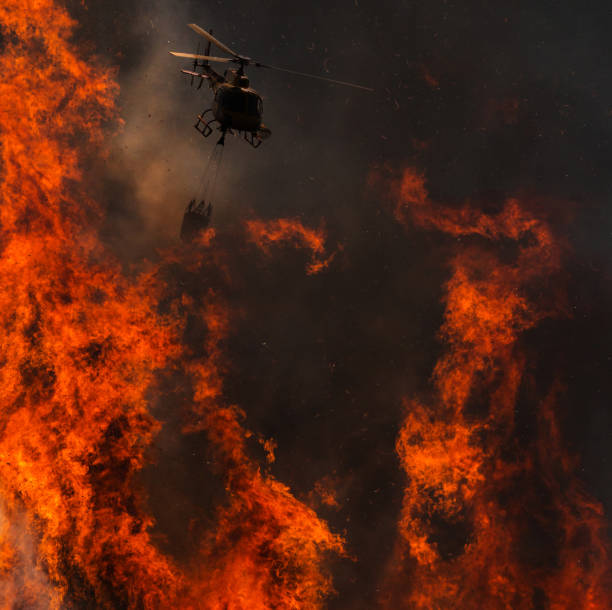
[263, 234]
[82, 344]
[480, 504]
[269, 547]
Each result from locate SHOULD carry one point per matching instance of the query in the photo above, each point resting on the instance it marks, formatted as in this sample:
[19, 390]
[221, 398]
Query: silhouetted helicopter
[236, 107]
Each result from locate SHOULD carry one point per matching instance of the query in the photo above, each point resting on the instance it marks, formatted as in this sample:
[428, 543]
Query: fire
[325, 493]
[83, 344]
[264, 234]
[269, 547]
[479, 501]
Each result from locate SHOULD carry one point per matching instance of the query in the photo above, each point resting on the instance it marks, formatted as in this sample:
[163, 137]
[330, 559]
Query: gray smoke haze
[29, 582]
[314, 164]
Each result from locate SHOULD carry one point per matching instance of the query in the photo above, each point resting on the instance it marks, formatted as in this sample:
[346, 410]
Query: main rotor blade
[202, 32]
[222, 60]
[329, 80]
[195, 74]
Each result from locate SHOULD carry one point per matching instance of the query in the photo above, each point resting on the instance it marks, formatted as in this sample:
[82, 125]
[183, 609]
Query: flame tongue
[264, 234]
[478, 503]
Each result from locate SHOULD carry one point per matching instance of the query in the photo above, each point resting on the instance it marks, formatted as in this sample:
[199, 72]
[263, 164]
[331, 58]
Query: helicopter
[236, 106]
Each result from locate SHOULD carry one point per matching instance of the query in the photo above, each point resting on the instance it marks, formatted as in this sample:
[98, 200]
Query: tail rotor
[197, 64]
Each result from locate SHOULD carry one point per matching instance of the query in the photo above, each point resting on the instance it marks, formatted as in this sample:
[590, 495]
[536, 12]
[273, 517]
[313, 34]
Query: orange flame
[263, 234]
[269, 547]
[479, 504]
[325, 493]
[82, 344]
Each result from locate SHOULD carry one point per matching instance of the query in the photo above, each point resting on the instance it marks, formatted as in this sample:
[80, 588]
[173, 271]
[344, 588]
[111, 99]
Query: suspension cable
[204, 176]
[213, 188]
[208, 179]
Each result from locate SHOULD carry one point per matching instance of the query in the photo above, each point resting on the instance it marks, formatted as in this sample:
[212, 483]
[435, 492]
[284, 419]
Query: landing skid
[252, 139]
[203, 125]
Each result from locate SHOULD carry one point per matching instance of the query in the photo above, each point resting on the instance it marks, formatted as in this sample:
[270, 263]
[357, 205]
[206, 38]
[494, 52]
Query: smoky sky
[490, 100]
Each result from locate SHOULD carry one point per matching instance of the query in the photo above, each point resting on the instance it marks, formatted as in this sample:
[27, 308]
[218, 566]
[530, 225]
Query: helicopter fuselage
[237, 108]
